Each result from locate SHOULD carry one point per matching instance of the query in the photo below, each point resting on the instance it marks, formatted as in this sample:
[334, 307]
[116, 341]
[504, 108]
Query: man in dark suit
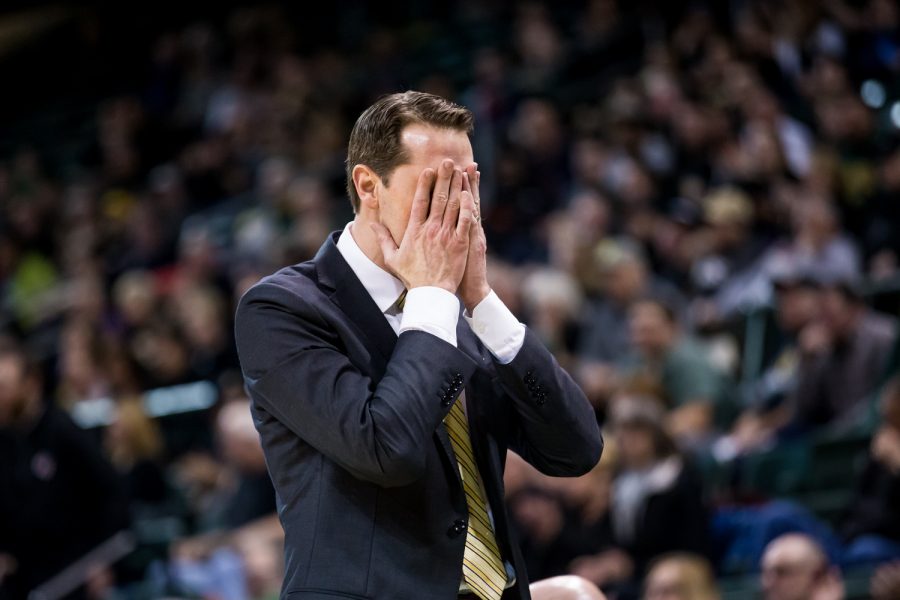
[385, 418]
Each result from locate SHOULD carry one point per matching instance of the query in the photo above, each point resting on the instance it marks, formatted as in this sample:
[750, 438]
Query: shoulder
[293, 289]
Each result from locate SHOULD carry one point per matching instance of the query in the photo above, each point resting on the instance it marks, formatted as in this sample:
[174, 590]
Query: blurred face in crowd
[635, 444]
[426, 146]
[238, 439]
[839, 311]
[652, 330]
[625, 281]
[792, 567]
[16, 389]
[680, 578]
[796, 306]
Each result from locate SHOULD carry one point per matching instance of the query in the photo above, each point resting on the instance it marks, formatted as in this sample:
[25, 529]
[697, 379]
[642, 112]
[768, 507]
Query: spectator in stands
[680, 577]
[683, 374]
[605, 343]
[59, 497]
[794, 567]
[873, 524]
[843, 356]
[727, 253]
[134, 445]
[796, 306]
[711, 145]
[657, 500]
[625, 278]
[245, 491]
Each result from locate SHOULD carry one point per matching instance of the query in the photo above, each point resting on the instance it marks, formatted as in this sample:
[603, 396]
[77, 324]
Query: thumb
[388, 247]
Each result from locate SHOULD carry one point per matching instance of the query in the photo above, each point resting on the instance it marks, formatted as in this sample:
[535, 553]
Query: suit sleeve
[552, 425]
[295, 369]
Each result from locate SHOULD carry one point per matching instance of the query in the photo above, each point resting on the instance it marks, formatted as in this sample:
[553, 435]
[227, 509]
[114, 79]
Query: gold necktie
[401, 300]
[483, 570]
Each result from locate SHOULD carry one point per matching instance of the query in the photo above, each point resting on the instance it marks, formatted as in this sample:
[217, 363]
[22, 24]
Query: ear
[366, 181]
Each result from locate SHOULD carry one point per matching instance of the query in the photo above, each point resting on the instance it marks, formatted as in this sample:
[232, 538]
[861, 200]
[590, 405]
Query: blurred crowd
[695, 205]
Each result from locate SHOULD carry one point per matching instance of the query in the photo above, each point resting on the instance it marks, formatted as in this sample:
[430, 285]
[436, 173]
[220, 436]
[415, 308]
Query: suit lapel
[348, 293]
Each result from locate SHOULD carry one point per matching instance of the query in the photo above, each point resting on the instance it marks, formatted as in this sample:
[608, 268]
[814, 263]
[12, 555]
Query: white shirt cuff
[497, 328]
[433, 310]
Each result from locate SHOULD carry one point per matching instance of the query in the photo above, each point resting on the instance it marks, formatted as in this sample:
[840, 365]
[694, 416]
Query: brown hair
[139, 438]
[375, 139]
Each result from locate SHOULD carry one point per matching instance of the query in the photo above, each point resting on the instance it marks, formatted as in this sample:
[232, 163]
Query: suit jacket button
[458, 527]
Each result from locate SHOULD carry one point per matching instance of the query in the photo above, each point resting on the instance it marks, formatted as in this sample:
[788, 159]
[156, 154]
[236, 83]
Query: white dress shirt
[433, 309]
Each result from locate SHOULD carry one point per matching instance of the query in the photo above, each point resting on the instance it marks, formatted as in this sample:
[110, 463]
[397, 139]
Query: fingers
[441, 193]
[466, 213]
[451, 213]
[385, 241]
[422, 199]
[468, 187]
[474, 179]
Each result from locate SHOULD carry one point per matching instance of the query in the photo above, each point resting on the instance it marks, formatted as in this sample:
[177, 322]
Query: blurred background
[695, 204]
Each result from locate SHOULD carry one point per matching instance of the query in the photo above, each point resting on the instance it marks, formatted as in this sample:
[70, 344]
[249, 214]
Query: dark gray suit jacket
[350, 417]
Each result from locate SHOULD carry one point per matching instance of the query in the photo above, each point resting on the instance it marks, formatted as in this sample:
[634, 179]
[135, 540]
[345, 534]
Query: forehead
[428, 146]
[788, 552]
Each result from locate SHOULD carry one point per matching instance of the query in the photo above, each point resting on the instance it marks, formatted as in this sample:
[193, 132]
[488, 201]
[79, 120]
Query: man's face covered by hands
[426, 147]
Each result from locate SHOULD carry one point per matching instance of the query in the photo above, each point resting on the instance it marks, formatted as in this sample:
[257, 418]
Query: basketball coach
[384, 416]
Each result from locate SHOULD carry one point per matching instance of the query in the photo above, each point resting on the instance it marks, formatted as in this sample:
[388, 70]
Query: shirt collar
[383, 287]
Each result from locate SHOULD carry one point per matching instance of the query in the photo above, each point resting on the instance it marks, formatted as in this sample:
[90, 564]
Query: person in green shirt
[679, 370]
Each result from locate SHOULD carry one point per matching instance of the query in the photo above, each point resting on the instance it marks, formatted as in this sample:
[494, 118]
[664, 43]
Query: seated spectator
[624, 277]
[134, 444]
[873, 524]
[587, 500]
[59, 497]
[795, 567]
[727, 253]
[687, 380]
[681, 577]
[657, 501]
[245, 493]
[842, 358]
[796, 306]
[540, 520]
[559, 519]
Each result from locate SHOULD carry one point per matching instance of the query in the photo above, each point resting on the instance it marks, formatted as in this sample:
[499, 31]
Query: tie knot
[401, 300]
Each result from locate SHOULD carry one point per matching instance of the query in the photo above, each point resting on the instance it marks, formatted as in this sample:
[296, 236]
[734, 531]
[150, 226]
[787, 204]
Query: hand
[886, 448]
[815, 339]
[434, 245]
[474, 286]
[885, 584]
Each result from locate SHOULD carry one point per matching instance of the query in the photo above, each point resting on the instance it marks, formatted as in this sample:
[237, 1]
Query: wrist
[471, 299]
